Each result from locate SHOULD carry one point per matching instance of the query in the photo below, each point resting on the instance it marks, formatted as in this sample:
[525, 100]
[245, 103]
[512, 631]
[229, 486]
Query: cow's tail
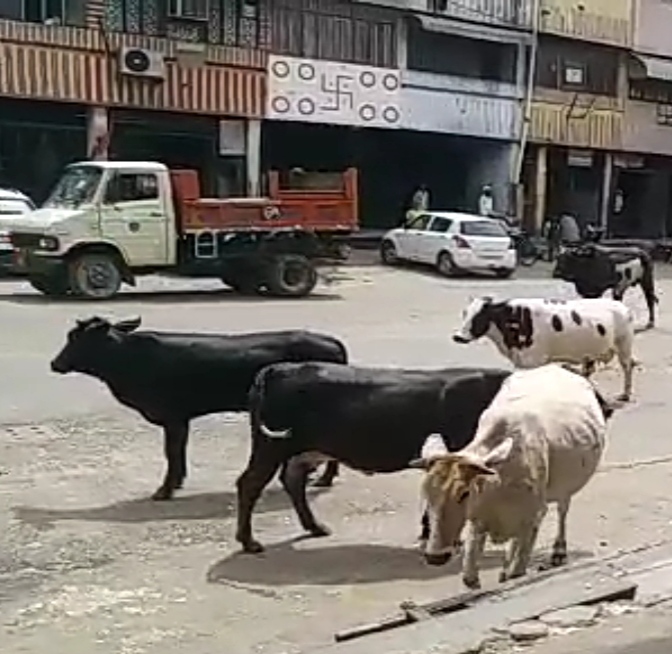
[257, 396]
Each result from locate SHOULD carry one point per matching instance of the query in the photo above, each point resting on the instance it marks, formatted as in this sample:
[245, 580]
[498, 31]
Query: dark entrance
[391, 164]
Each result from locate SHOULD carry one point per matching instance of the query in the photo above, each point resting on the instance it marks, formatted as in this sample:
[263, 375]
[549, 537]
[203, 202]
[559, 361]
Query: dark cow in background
[171, 378]
[372, 420]
[594, 269]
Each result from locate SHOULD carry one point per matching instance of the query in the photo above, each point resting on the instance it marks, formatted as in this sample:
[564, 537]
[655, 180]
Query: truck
[108, 222]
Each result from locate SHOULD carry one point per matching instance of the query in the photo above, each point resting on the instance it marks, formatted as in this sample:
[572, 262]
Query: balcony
[460, 105]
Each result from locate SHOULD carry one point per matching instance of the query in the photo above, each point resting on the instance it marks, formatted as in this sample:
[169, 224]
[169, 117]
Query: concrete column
[253, 157]
[97, 133]
[540, 187]
[607, 176]
[402, 43]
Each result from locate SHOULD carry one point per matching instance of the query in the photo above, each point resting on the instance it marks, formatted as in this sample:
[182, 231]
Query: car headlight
[48, 243]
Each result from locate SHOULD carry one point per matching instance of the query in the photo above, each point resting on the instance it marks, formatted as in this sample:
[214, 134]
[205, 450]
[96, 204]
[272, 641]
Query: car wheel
[445, 265]
[388, 254]
[95, 276]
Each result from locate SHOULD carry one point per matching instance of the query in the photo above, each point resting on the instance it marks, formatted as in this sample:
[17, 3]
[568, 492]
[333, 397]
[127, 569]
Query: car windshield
[482, 228]
[13, 207]
[77, 186]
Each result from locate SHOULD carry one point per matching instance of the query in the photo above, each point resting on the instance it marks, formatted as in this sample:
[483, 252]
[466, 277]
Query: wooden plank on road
[464, 630]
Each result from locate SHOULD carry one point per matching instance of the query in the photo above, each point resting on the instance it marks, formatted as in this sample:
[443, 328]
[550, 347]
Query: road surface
[89, 565]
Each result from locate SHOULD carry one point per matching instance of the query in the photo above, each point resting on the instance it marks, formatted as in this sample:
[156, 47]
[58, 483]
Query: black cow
[170, 378]
[373, 420]
[596, 268]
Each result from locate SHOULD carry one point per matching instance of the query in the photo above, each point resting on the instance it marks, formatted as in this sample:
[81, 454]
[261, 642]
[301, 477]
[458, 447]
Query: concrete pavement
[89, 564]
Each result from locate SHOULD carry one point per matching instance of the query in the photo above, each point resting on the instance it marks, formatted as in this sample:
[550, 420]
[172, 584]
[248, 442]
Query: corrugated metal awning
[651, 67]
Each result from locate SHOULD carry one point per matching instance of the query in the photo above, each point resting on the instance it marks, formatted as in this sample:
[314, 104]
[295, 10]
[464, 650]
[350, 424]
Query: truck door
[133, 215]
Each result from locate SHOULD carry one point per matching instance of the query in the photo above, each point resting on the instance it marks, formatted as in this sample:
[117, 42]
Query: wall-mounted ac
[142, 63]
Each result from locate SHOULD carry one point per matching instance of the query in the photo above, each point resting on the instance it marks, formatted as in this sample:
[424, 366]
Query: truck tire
[291, 275]
[95, 275]
[55, 285]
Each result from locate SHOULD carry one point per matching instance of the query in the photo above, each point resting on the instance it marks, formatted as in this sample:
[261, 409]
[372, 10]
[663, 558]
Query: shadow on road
[284, 565]
[203, 506]
[164, 297]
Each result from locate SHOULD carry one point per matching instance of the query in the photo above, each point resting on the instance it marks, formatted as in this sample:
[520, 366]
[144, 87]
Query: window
[482, 228]
[651, 90]
[419, 222]
[39, 11]
[440, 224]
[191, 9]
[573, 66]
[77, 186]
[132, 187]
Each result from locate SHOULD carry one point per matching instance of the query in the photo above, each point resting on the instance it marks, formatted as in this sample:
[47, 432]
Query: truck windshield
[77, 186]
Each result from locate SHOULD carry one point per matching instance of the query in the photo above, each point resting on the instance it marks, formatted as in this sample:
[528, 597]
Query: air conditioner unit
[142, 63]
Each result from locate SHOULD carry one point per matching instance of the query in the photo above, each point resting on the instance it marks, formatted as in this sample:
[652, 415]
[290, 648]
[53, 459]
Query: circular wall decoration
[306, 72]
[391, 115]
[306, 107]
[391, 82]
[280, 69]
[367, 112]
[280, 104]
[367, 79]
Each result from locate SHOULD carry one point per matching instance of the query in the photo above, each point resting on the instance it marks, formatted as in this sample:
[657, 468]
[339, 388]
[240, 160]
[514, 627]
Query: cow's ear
[433, 446]
[128, 326]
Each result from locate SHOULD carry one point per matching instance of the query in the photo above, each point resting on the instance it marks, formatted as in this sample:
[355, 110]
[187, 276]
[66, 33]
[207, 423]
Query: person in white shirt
[486, 202]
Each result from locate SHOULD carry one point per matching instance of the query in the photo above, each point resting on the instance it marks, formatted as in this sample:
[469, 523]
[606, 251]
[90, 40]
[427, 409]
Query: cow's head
[452, 483]
[88, 342]
[476, 320]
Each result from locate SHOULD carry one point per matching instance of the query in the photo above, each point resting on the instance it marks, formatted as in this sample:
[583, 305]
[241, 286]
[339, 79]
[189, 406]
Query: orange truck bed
[311, 201]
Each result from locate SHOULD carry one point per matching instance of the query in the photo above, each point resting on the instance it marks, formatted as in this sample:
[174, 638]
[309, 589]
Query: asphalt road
[89, 564]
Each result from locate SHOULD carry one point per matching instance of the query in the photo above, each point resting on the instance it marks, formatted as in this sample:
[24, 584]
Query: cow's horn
[269, 433]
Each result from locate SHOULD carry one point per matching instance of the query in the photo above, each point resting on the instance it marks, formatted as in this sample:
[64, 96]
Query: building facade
[577, 113]
[643, 179]
[410, 92]
[181, 82]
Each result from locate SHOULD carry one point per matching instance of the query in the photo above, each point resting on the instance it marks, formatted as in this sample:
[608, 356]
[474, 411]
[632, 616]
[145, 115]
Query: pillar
[253, 157]
[607, 177]
[97, 133]
[540, 187]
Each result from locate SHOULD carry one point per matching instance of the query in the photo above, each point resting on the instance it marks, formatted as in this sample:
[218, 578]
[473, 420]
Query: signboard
[232, 138]
[330, 92]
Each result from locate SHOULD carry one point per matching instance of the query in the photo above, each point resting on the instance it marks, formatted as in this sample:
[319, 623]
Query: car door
[133, 216]
[410, 235]
[432, 241]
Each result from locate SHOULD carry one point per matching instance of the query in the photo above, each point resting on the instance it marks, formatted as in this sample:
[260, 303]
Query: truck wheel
[95, 276]
[291, 275]
[55, 284]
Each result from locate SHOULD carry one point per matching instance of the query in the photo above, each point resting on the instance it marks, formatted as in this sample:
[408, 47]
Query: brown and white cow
[539, 442]
[532, 332]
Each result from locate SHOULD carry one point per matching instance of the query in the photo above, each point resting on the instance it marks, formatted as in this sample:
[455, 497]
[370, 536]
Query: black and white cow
[172, 378]
[372, 420]
[594, 269]
[532, 332]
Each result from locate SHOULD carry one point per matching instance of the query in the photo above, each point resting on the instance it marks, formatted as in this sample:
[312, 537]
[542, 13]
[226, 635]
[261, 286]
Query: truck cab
[106, 222]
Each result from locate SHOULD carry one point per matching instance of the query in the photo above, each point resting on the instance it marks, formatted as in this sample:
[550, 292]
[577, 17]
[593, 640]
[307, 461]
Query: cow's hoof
[253, 547]
[472, 583]
[319, 531]
[558, 559]
[163, 494]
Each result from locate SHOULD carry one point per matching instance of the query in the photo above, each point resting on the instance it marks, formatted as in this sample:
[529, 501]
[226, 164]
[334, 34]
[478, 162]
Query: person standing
[419, 202]
[486, 201]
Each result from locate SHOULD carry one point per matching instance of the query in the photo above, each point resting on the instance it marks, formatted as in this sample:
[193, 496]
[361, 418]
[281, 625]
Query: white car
[12, 204]
[453, 242]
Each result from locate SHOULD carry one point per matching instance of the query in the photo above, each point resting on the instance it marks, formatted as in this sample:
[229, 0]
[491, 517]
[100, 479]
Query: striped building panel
[91, 78]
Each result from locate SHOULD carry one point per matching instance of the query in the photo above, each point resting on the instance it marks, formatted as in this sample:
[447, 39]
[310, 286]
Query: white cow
[532, 332]
[540, 441]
